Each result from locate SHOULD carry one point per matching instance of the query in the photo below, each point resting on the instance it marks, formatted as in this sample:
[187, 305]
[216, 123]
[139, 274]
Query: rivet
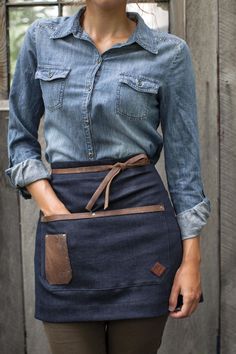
[139, 82]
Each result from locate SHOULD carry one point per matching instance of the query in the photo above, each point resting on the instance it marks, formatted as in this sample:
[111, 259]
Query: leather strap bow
[137, 160]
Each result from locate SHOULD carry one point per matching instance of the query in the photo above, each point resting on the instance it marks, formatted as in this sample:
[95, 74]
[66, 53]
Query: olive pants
[129, 336]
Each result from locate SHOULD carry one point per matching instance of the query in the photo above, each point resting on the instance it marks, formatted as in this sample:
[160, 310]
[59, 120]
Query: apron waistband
[137, 160]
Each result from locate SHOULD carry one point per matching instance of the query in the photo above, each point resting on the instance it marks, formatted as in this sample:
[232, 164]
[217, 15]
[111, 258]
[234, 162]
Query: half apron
[115, 255]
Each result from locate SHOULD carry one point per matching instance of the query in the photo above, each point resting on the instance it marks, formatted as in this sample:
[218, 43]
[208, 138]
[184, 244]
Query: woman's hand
[46, 199]
[187, 280]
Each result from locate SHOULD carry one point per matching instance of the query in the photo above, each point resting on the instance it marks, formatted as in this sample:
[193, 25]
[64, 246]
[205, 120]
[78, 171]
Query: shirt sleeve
[26, 108]
[179, 123]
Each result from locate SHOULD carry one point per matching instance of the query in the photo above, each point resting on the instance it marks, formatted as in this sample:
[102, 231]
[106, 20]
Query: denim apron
[116, 254]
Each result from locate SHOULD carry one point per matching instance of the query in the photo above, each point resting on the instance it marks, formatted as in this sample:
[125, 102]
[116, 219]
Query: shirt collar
[142, 34]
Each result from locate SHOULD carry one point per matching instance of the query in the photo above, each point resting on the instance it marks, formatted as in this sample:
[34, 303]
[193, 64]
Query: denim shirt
[107, 105]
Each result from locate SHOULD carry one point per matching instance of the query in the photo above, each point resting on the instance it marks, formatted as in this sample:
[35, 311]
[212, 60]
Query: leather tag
[158, 269]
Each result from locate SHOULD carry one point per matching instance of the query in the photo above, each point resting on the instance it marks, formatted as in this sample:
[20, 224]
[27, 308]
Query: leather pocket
[128, 245]
[57, 263]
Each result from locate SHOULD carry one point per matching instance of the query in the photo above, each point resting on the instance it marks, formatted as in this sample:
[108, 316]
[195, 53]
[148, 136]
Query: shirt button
[87, 121]
[99, 60]
[139, 82]
[90, 88]
[50, 74]
[90, 154]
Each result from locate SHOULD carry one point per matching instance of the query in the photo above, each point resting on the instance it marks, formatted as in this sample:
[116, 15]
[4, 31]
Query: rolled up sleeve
[26, 107]
[179, 123]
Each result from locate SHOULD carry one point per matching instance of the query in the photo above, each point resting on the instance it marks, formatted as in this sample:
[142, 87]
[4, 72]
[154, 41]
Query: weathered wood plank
[177, 15]
[3, 52]
[227, 54]
[203, 41]
[36, 341]
[197, 334]
[11, 287]
[12, 339]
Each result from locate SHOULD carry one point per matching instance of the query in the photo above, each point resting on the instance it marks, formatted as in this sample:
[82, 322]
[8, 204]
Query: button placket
[99, 60]
[139, 82]
[88, 134]
[88, 137]
[86, 121]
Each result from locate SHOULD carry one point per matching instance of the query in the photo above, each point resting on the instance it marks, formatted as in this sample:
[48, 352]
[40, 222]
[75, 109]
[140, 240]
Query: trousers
[125, 336]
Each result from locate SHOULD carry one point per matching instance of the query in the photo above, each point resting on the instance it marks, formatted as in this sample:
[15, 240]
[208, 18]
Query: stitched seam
[171, 63]
[55, 288]
[179, 46]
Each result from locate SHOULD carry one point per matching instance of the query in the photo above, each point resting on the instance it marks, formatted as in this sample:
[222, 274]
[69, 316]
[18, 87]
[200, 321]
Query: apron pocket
[57, 262]
[128, 247]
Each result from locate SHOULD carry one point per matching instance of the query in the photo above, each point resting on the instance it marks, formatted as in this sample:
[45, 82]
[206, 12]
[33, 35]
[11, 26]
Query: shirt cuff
[26, 172]
[191, 221]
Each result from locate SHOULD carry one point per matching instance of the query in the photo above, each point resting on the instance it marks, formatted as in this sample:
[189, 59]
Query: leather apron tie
[137, 160]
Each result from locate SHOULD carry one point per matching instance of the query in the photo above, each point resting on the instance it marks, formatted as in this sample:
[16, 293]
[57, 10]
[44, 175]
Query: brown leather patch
[57, 263]
[103, 213]
[158, 269]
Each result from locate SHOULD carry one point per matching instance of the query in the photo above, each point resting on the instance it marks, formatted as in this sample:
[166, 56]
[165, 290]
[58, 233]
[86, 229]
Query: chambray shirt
[107, 105]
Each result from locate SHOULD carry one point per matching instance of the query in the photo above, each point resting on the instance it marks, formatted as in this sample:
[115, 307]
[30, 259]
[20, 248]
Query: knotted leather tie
[137, 160]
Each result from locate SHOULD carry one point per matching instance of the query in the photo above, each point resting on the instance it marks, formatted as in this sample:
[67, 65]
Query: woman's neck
[107, 24]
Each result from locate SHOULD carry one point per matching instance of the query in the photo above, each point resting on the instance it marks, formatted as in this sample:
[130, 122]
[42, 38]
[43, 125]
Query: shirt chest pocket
[135, 95]
[53, 81]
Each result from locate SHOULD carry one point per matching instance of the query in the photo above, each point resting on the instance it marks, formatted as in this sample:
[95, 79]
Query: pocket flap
[140, 83]
[48, 74]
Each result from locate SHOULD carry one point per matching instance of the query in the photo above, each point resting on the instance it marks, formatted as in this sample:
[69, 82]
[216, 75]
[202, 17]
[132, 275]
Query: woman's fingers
[173, 297]
[187, 282]
[61, 209]
[190, 303]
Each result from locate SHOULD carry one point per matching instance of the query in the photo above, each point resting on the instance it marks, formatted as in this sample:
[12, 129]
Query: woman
[111, 251]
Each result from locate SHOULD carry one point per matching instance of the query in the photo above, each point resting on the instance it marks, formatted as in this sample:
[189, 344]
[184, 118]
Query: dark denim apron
[112, 263]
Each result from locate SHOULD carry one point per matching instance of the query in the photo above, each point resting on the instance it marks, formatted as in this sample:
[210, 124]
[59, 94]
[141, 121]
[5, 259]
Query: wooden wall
[12, 336]
[227, 122]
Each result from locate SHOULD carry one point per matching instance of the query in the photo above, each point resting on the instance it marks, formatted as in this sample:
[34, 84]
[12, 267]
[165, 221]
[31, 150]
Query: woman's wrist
[46, 198]
[54, 209]
[192, 250]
